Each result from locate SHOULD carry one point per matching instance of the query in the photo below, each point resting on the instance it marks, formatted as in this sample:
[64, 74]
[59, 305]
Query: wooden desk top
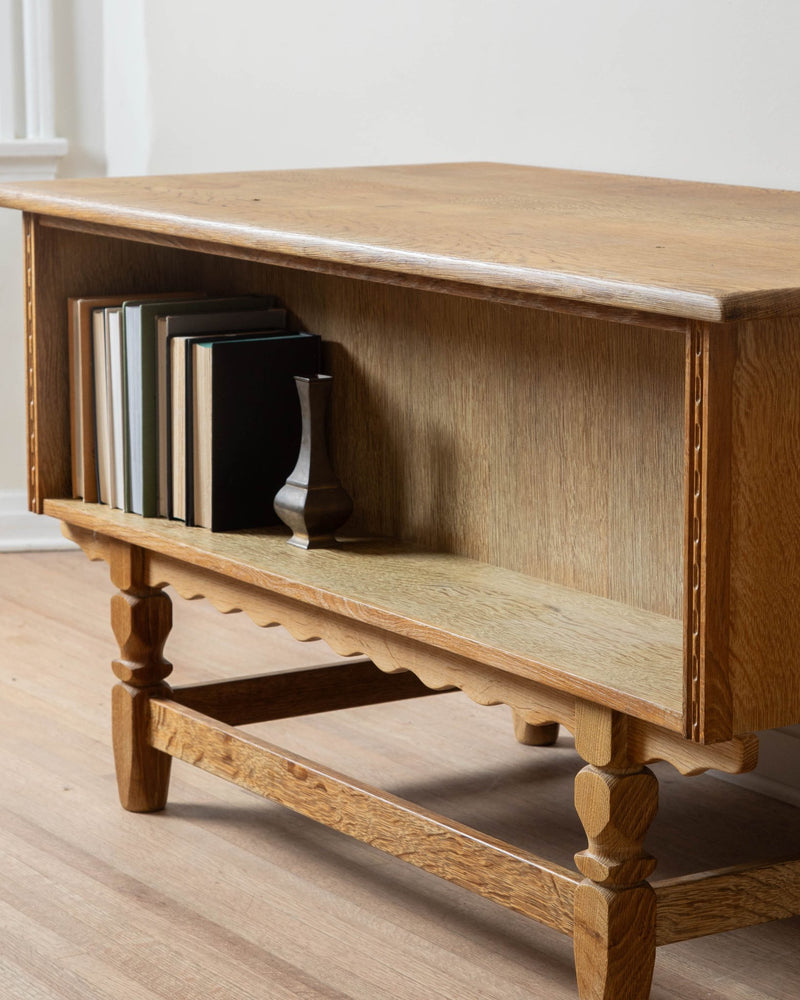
[696, 251]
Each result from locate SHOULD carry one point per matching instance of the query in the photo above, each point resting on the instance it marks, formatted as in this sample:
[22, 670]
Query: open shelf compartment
[548, 633]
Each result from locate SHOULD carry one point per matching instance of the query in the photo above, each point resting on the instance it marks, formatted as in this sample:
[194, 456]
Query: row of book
[184, 406]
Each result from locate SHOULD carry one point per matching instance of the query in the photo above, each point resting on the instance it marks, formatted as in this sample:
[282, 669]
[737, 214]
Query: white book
[101, 404]
[133, 366]
[116, 407]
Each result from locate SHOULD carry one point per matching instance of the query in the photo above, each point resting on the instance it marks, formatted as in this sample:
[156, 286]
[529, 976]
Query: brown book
[82, 394]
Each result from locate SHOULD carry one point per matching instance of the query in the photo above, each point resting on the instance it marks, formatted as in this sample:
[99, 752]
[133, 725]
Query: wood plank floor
[226, 896]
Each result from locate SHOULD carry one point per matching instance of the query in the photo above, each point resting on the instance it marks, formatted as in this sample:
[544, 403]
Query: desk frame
[675, 650]
[616, 917]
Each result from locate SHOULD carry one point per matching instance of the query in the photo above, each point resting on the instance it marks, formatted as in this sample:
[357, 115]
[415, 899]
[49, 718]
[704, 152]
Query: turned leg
[530, 735]
[615, 909]
[141, 617]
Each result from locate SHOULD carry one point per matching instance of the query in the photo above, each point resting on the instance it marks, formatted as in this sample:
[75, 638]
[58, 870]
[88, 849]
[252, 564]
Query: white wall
[695, 89]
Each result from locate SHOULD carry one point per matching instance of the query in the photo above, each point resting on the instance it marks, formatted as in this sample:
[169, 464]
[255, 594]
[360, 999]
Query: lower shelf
[569, 640]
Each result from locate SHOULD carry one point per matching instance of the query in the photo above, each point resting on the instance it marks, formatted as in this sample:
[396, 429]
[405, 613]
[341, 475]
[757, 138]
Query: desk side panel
[60, 264]
[765, 543]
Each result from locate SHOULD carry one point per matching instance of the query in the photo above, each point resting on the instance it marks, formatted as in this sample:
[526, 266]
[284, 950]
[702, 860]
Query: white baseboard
[778, 772]
[21, 531]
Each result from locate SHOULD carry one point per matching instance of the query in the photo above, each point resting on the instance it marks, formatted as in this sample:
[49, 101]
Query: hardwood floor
[226, 896]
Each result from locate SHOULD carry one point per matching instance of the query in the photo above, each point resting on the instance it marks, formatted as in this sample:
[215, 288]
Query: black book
[174, 336]
[245, 425]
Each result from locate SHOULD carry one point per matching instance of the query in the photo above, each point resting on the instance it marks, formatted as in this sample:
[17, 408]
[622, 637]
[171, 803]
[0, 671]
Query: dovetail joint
[30, 383]
[696, 480]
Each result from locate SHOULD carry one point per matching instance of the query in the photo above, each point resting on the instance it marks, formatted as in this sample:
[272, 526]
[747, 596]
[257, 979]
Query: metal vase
[313, 502]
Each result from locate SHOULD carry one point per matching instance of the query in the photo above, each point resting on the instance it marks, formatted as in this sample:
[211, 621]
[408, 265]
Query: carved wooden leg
[615, 908]
[141, 617]
[534, 736]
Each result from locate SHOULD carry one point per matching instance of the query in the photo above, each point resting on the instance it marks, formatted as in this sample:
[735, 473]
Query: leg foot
[615, 942]
[534, 736]
[615, 908]
[142, 772]
[141, 617]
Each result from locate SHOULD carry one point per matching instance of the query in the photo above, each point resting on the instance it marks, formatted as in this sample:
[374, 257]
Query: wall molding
[29, 148]
[21, 531]
[31, 159]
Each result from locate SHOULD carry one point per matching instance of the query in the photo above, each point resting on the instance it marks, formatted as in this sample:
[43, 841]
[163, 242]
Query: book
[83, 420]
[139, 320]
[76, 361]
[168, 328]
[181, 496]
[100, 407]
[115, 401]
[245, 425]
[82, 386]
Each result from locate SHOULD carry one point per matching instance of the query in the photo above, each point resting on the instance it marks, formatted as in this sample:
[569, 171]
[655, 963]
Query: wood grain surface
[765, 516]
[141, 619]
[663, 246]
[540, 631]
[622, 970]
[714, 902]
[710, 371]
[615, 908]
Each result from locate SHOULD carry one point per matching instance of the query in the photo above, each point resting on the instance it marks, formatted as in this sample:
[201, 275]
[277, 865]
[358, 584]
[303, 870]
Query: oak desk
[567, 407]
